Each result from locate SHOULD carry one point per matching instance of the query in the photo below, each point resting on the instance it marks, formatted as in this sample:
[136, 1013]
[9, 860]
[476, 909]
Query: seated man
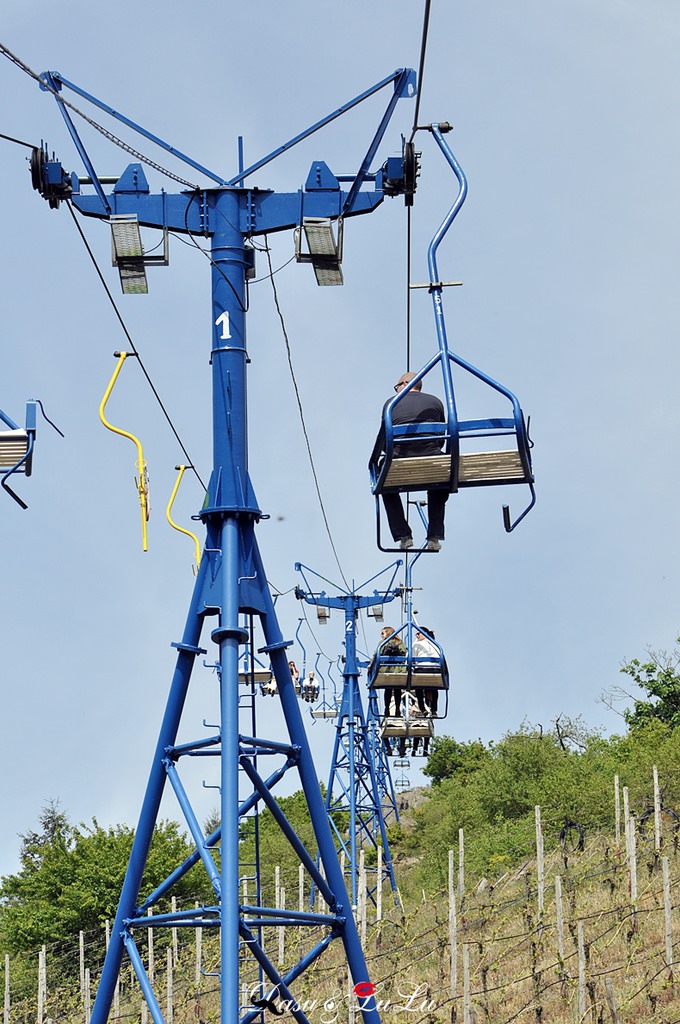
[415, 407]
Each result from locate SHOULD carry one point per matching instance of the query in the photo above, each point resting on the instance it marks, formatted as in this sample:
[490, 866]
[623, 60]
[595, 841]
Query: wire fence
[589, 933]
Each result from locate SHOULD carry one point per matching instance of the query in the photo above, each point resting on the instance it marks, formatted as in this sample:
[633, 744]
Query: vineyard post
[632, 870]
[466, 984]
[282, 930]
[657, 811]
[581, 972]
[611, 1001]
[626, 821]
[461, 868]
[617, 815]
[81, 951]
[277, 904]
[199, 952]
[363, 909]
[559, 914]
[7, 1001]
[152, 964]
[453, 928]
[540, 867]
[350, 999]
[322, 902]
[378, 893]
[87, 995]
[170, 1013]
[42, 983]
[668, 926]
[175, 945]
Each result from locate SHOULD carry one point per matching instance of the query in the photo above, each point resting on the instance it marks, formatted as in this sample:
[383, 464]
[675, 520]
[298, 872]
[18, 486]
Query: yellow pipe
[143, 483]
[174, 525]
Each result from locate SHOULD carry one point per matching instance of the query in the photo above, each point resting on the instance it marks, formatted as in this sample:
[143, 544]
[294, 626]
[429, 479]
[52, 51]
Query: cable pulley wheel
[37, 169]
[410, 172]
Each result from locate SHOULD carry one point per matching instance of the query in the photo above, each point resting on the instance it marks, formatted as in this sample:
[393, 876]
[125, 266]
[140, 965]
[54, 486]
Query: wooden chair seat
[474, 468]
[419, 471]
[490, 468]
[261, 678]
[398, 680]
[13, 447]
[401, 727]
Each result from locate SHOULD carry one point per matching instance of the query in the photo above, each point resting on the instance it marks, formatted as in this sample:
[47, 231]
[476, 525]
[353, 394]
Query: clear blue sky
[566, 123]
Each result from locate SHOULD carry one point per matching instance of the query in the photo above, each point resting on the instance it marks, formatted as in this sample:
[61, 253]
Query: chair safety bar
[175, 526]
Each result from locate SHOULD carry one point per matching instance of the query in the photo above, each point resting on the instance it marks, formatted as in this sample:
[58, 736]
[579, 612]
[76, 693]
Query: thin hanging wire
[421, 72]
[421, 68]
[302, 417]
[408, 288]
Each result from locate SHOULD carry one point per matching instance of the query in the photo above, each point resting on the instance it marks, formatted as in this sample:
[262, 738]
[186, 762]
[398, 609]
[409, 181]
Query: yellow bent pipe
[143, 483]
[175, 525]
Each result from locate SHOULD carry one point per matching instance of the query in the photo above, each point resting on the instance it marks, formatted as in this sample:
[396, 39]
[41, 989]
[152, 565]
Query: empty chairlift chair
[16, 448]
[254, 674]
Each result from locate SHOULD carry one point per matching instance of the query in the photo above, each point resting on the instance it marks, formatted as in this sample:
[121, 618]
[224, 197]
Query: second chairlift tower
[360, 786]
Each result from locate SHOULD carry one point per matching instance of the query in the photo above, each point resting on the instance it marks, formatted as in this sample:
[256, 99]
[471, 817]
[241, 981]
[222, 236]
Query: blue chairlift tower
[231, 585]
[360, 785]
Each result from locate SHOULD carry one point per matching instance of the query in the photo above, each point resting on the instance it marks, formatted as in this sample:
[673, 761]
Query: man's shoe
[405, 543]
[434, 544]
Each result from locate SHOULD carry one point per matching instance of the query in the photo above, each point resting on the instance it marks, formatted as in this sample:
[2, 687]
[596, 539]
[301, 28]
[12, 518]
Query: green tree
[70, 878]
[659, 679]
[448, 757]
[494, 799]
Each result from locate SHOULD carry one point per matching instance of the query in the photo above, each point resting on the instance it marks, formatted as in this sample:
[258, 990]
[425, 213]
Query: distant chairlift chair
[16, 448]
[407, 674]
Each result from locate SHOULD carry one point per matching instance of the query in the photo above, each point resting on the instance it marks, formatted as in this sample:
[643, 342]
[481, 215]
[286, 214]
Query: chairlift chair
[16, 448]
[408, 672]
[326, 709]
[482, 452]
[254, 673]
